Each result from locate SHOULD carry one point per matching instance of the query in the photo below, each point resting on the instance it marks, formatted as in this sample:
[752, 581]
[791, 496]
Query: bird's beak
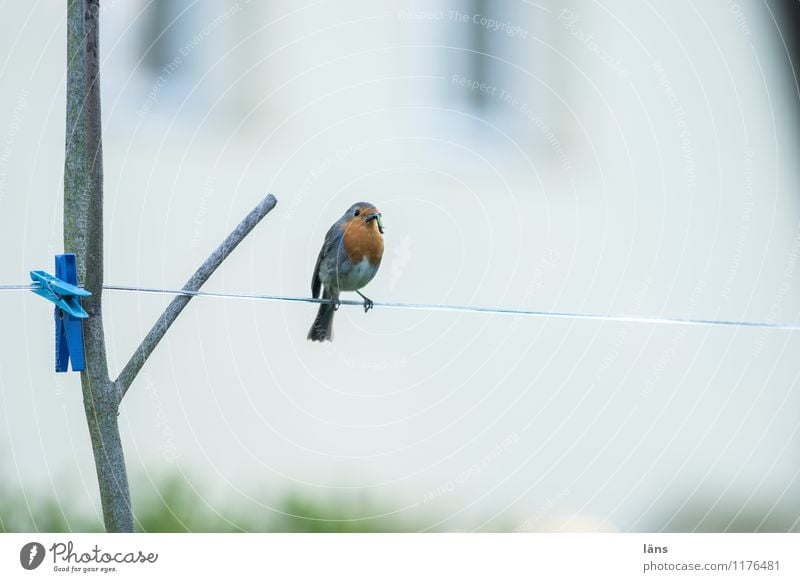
[376, 217]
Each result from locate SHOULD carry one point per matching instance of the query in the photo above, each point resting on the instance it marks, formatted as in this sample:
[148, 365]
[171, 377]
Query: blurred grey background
[614, 157]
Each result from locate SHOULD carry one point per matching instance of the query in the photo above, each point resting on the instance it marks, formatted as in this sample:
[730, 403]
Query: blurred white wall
[616, 157]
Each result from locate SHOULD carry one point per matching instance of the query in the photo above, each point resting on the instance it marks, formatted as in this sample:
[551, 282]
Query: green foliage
[174, 503]
[42, 513]
[707, 515]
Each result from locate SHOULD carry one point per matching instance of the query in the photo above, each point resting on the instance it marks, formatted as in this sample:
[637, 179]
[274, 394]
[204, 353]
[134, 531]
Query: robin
[348, 260]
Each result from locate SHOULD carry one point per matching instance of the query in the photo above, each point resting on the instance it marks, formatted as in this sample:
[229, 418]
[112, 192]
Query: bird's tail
[322, 328]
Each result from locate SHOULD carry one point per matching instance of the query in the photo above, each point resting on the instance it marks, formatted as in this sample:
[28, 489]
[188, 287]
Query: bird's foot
[368, 304]
[337, 303]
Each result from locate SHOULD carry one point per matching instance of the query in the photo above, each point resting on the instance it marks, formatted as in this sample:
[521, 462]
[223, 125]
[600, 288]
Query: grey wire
[473, 309]
[460, 308]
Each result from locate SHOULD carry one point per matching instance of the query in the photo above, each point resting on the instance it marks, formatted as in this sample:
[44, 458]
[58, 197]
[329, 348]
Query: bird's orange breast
[363, 239]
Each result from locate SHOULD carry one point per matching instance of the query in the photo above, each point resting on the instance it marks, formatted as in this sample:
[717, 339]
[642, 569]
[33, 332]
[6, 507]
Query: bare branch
[83, 235]
[196, 281]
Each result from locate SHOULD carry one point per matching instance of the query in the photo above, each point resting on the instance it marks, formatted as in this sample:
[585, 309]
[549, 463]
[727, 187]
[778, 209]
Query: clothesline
[786, 326]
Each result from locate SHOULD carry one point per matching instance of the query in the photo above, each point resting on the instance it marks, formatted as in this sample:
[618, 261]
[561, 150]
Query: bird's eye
[356, 213]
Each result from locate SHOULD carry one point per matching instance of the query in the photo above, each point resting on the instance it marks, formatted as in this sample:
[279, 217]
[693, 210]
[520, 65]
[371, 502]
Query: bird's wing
[315, 282]
[330, 239]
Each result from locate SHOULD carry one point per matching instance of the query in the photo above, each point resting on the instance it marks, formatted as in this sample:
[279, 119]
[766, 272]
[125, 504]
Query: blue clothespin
[63, 290]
